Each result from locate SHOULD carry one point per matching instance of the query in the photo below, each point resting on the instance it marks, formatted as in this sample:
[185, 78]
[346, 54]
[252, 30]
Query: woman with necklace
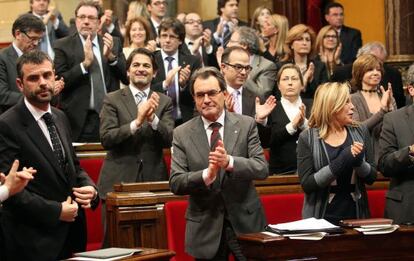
[299, 50]
[371, 101]
[335, 158]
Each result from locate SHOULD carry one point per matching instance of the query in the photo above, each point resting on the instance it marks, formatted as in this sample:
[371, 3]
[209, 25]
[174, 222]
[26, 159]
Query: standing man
[262, 77]
[397, 159]
[157, 10]
[175, 69]
[136, 125]
[224, 25]
[216, 156]
[197, 41]
[27, 32]
[350, 37]
[46, 221]
[53, 21]
[91, 66]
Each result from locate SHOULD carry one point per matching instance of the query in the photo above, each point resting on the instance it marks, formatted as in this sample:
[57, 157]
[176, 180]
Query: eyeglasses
[89, 17]
[160, 3]
[165, 36]
[210, 94]
[32, 39]
[329, 36]
[239, 68]
[193, 22]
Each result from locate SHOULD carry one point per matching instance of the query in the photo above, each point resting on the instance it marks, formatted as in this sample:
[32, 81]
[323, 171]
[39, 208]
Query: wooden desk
[151, 254]
[349, 246]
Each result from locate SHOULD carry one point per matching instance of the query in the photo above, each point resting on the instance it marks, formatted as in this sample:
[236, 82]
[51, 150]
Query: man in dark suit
[175, 69]
[223, 26]
[55, 26]
[157, 10]
[216, 156]
[397, 161]
[91, 66]
[42, 222]
[198, 42]
[391, 75]
[350, 37]
[27, 32]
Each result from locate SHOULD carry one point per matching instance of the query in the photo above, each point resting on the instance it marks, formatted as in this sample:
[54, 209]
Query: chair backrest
[280, 208]
[175, 220]
[376, 202]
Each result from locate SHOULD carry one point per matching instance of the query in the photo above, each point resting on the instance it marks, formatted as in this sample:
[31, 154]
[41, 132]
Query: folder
[107, 253]
[365, 222]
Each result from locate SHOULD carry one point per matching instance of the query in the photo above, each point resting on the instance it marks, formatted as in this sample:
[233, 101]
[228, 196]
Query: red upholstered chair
[376, 202]
[175, 219]
[93, 218]
[280, 208]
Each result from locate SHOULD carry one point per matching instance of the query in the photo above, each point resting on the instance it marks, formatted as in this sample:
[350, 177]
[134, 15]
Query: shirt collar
[230, 89]
[18, 51]
[164, 55]
[37, 113]
[135, 90]
[285, 102]
[94, 41]
[219, 120]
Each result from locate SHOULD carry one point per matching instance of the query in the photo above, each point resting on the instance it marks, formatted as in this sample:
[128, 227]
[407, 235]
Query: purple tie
[215, 135]
[171, 88]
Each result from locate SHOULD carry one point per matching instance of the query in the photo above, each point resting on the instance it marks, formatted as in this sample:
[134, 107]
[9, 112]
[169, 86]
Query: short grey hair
[368, 47]
[248, 37]
[409, 77]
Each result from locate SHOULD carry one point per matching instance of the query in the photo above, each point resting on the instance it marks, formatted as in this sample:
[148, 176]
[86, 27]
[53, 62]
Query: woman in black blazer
[288, 120]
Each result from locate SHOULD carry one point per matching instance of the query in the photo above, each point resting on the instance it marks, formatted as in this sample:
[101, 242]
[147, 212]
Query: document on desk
[377, 229]
[309, 225]
[106, 254]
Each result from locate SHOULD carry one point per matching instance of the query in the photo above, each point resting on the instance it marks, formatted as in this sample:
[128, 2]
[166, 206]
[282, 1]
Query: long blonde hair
[255, 23]
[329, 99]
[282, 24]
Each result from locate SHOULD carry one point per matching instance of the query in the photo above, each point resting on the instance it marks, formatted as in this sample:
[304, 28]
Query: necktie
[215, 135]
[54, 137]
[236, 106]
[171, 88]
[226, 34]
[139, 97]
[98, 84]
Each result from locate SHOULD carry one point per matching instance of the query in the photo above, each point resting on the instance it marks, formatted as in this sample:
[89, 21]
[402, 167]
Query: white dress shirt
[133, 125]
[291, 110]
[176, 79]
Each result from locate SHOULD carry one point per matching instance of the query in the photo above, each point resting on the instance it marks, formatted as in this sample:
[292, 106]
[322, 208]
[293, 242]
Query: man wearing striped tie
[136, 125]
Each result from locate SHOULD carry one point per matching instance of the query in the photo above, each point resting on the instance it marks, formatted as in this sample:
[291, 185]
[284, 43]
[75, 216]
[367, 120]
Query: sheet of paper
[378, 230]
[309, 223]
[310, 236]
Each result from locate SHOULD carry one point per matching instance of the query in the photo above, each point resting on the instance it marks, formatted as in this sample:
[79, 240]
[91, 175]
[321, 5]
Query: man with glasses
[217, 155]
[54, 24]
[157, 10]
[262, 78]
[349, 37]
[197, 41]
[175, 69]
[92, 65]
[27, 32]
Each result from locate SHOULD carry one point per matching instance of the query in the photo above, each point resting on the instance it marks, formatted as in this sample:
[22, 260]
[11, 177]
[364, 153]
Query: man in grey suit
[217, 173]
[53, 21]
[27, 31]
[262, 78]
[136, 125]
[397, 159]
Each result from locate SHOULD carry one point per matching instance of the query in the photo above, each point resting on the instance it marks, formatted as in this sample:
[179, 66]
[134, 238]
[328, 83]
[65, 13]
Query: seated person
[335, 158]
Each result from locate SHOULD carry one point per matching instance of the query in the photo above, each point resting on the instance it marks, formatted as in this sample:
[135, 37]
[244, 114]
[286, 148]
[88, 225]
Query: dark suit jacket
[391, 75]
[212, 25]
[30, 220]
[133, 157]
[208, 59]
[351, 41]
[153, 29]
[76, 94]
[53, 33]
[394, 162]
[262, 78]
[282, 144]
[9, 94]
[186, 100]
[231, 196]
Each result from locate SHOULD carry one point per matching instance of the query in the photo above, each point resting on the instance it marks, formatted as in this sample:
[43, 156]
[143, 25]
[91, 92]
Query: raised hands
[108, 43]
[387, 98]
[59, 85]
[300, 117]
[16, 181]
[217, 159]
[263, 110]
[308, 76]
[146, 109]
[184, 75]
[88, 52]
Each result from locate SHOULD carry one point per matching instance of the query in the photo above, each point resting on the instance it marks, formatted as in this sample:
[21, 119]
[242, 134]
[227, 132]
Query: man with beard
[136, 125]
[197, 41]
[92, 65]
[46, 221]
